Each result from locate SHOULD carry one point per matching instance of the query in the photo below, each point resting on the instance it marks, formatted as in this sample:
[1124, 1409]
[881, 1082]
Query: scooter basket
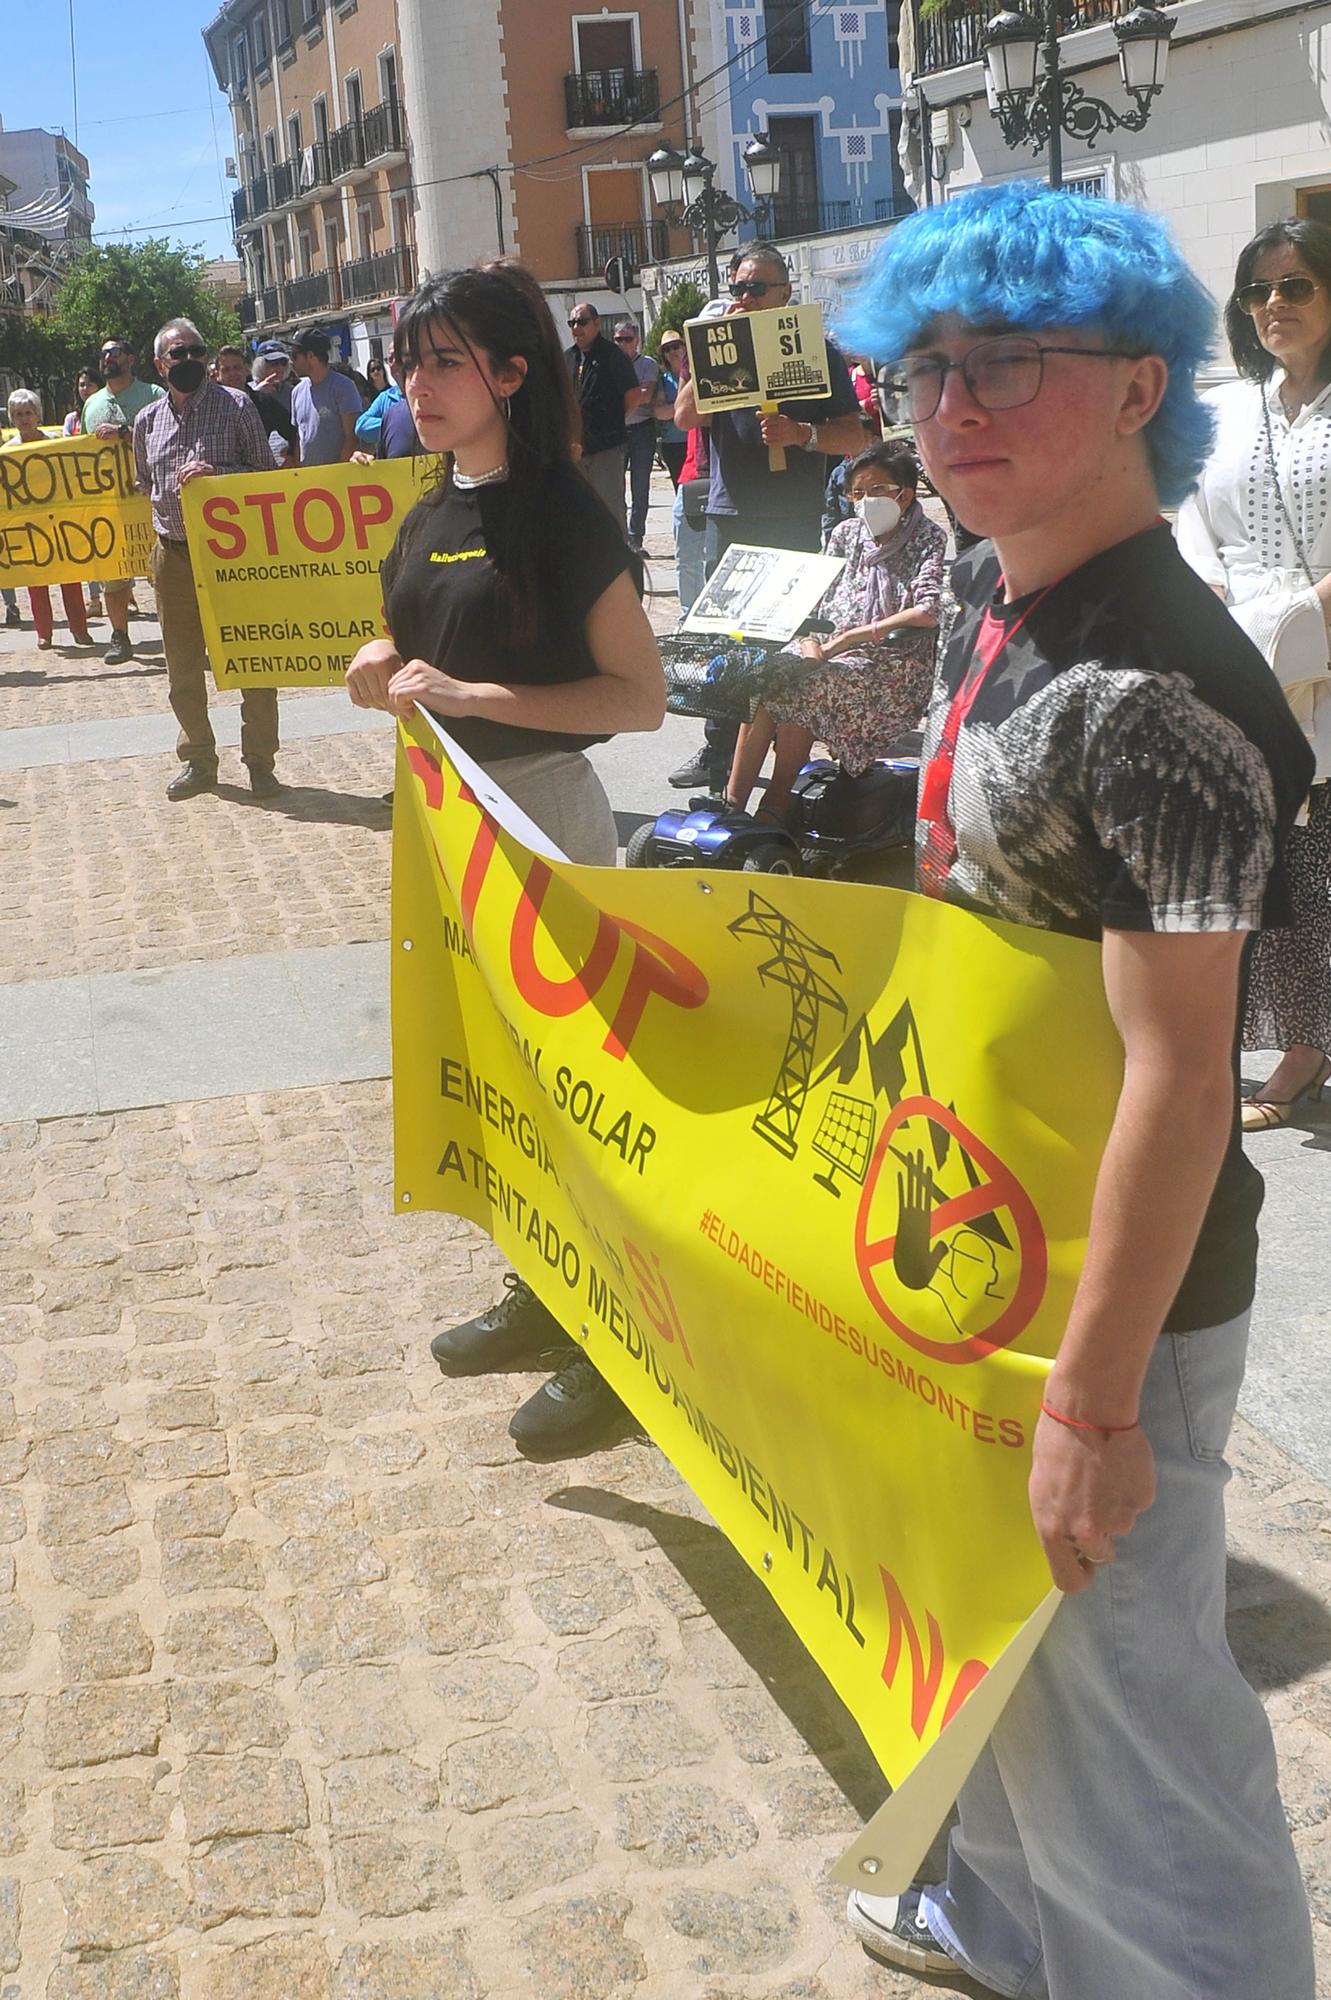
[717, 679]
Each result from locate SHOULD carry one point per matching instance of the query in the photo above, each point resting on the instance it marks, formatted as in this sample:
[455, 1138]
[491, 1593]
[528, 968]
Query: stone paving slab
[106, 875]
[325, 713]
[117, 1040]
[311, 1690]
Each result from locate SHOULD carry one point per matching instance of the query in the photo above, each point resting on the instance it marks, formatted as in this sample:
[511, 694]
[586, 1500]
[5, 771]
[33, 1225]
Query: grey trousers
[605, 471]
[561, 792]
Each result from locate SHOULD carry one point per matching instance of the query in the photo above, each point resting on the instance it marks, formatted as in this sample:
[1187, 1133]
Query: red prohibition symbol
[999, 1189]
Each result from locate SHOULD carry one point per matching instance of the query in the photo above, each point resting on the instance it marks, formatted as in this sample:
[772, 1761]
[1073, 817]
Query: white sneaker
[896, 1929]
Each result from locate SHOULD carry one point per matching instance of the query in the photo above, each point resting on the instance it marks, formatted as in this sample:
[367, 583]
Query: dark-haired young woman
[1258, 529]
[513, 604]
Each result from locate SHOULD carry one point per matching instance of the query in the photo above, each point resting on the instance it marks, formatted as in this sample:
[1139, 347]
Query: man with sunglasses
[747, 501]
[1106, 755]
[109, 413]
[196, 430]
[608, 392]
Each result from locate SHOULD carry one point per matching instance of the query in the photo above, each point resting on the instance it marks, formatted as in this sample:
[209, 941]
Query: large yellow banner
[69, 512]
[323, 529]
[808, 1166]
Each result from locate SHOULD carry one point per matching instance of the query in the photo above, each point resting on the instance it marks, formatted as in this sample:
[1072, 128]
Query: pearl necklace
[465, 481]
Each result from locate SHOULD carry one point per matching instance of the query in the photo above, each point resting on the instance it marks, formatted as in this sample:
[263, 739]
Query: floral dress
[861, 702]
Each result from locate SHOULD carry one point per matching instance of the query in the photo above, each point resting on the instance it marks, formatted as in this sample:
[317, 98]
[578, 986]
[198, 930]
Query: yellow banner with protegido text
[808, 1167]
[286, 565]
[70, 512]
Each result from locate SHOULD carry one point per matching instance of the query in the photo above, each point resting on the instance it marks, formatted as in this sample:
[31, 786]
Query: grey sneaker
[895, 1929]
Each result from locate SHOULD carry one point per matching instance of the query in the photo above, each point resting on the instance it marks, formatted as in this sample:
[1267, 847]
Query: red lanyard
[939, 851]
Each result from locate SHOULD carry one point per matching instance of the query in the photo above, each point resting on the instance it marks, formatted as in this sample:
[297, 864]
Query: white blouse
[1233, 530]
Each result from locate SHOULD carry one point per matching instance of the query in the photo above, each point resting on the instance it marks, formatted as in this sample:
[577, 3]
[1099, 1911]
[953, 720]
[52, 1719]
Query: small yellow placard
[747, 359]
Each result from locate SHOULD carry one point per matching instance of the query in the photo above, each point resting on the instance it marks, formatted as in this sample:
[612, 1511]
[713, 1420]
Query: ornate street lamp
[683, 185]
[1038, 110]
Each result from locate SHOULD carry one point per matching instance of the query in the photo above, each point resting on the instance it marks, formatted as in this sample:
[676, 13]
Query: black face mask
[187, 376]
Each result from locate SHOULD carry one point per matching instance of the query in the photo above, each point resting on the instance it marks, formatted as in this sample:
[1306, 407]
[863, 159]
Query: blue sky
[152, 122]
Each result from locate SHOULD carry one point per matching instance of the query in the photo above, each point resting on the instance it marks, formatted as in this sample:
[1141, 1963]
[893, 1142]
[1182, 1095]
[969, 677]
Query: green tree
[683, 301]
[132, 289]
[32, 356]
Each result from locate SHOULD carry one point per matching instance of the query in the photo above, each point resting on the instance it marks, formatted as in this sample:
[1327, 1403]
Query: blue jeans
[639, 457]
[691, 540]
[1121, 1837]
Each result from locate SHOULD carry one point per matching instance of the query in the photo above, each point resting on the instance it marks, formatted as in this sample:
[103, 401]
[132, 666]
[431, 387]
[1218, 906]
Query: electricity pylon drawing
[793, 964]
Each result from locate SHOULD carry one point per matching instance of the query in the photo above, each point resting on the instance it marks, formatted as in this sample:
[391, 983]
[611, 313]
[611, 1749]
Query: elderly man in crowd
[196, 430]
[606, 385]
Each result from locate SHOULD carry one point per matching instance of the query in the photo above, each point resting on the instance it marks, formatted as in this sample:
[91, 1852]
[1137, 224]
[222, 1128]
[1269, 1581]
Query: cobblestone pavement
[310, 1690]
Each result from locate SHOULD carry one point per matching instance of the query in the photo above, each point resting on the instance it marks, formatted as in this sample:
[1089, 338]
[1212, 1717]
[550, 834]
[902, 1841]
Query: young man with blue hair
[1107, 755]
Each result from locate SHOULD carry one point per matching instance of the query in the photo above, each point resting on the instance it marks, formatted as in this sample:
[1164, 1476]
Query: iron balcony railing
[638, 243]
[363, 140]
[248, 312]
[384, 130]
[240, 212]
[956, 33]
[887, 208]
[309, 294]
[811, 218]
[271, 299]
[611, 97]
[390, 275]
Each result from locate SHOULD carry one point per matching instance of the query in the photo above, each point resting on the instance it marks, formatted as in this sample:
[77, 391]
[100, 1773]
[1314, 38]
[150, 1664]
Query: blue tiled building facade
[822, 80]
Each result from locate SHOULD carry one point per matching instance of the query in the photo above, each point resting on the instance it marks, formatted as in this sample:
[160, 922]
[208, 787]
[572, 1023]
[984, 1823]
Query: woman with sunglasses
[513, 605]
[1258, 529]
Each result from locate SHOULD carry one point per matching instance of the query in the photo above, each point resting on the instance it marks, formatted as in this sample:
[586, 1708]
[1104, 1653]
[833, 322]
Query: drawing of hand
[914, 1258]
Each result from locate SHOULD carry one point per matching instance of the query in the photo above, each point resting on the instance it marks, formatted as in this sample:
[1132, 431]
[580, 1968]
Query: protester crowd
[1126, 737]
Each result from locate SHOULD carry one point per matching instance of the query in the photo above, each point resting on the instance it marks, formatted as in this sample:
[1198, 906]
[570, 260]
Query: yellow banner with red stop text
[286, 565]
[808, 1167]
[70, 512]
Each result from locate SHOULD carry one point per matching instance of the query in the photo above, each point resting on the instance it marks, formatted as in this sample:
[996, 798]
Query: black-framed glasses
[1001, 374]
[753, 288]
[195, 352]
[625, 339]
[1296, 289]
[585, 320]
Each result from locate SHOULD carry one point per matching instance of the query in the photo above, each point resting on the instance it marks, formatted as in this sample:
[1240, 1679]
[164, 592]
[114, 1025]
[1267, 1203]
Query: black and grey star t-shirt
[1127, 763]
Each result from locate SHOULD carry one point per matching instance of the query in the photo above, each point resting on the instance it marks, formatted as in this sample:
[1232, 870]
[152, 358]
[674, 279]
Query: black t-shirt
[743, 482]
[1129, 763]
[441, 593]
[274, 415]
[602, 377]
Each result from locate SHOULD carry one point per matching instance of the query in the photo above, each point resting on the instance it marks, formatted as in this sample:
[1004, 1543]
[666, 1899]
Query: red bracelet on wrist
[1075, 1423]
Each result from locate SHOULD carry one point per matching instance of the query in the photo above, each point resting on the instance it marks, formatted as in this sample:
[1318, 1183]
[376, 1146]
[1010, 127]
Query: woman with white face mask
[880, 656]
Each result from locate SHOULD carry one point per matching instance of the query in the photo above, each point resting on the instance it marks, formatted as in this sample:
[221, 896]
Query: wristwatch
[811, 441]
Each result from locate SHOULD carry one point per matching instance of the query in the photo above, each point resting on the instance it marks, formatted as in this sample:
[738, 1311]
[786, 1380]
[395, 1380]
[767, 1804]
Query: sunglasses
[110, 353]
[586, 320]
[1295, 290]
[194, 353]
[625, 339]
[754, 288]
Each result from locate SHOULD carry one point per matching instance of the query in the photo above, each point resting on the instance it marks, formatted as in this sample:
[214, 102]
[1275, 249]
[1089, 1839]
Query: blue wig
[1026, 256]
